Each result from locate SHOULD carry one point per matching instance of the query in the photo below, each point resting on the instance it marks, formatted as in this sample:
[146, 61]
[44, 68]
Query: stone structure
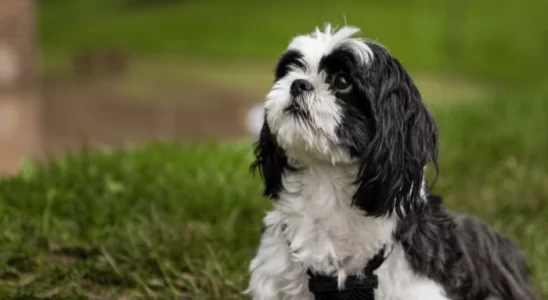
[20, 107]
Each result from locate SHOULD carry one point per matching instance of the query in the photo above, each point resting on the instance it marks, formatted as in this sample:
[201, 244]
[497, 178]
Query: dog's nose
[300, 86]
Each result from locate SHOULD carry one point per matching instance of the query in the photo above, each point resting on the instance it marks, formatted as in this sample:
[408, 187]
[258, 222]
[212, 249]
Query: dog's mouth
[296, 108]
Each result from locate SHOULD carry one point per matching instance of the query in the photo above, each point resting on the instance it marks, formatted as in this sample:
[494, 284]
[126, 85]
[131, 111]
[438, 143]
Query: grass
[499, 40]
[173, 219]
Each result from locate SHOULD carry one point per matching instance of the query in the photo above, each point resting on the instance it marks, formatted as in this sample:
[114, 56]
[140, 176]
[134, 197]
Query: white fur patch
[274, 276]
[398, 282]
[322, 227]
[320, 43]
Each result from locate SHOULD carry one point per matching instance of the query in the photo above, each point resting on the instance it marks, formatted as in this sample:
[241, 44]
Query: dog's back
[499, 268]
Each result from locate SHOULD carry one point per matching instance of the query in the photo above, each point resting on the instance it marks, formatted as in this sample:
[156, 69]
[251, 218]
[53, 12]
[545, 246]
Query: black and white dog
[342, 151]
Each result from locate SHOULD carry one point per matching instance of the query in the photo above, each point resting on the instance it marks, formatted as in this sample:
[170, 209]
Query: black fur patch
[402, 136]
[357, 127]
[270, 161]
[290, 58]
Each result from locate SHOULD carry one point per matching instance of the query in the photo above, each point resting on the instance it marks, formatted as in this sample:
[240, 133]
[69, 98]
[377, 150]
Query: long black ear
[270, 161]
[404, 141]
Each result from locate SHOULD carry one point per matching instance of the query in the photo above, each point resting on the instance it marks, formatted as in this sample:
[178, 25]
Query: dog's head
[347, 101]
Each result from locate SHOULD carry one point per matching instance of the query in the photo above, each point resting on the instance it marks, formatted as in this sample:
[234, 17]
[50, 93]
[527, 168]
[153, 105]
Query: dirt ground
[97, 113]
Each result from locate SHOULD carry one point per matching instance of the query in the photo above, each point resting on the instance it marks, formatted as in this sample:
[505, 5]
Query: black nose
[299, 86]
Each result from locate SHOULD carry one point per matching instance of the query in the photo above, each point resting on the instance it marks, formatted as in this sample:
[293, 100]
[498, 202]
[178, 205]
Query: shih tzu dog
[342, 151]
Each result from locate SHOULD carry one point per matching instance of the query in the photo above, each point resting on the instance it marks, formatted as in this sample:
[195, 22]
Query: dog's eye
[341, 83]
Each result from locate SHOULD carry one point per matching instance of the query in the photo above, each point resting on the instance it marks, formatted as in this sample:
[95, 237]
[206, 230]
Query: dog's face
[343, 100]
[318, 107]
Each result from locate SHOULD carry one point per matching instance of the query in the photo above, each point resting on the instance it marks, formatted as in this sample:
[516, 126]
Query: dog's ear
[270, 161]
[404, 141]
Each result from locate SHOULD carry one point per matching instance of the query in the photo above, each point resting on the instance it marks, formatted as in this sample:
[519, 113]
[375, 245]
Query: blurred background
[113, 72]
[176, 213]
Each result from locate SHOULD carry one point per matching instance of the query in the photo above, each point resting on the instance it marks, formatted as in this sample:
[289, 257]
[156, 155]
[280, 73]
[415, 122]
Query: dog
[342, 150]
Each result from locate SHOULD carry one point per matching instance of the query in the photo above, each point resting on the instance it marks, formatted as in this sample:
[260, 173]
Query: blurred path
[97, 114]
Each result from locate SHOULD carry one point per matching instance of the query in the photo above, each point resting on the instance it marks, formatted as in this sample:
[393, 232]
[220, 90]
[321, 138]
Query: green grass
[502, 40]
[175, 219]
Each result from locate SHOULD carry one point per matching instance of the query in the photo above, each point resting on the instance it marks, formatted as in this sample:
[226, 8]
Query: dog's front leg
[274, 275]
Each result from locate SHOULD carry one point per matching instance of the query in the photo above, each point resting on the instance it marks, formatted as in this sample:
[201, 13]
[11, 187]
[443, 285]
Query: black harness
[356, 287]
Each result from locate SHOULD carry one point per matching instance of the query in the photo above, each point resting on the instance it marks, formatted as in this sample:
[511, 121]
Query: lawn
[177, 219]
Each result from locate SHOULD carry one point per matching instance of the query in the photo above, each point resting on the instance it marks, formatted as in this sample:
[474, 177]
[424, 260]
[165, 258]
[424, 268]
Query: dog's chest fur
[328, 236]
